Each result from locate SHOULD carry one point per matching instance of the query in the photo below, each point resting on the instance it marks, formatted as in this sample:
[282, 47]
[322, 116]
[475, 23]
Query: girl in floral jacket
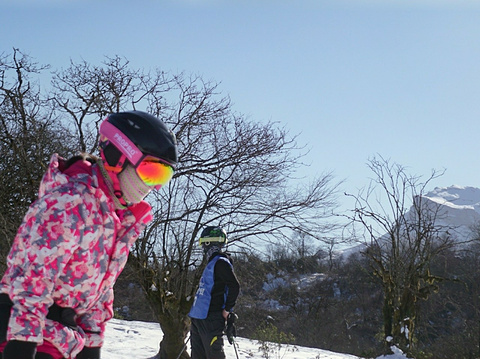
[57, 292]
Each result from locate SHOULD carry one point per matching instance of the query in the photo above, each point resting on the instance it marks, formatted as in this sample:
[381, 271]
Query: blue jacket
[217, 282]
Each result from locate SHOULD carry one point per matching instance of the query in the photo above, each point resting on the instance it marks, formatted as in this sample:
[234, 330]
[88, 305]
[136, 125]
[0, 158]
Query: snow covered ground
[139, 340]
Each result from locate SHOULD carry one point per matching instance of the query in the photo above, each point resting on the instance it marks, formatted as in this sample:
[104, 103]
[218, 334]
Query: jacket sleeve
[50, 232]
[132, 222]
[93, 322]
[225, 273]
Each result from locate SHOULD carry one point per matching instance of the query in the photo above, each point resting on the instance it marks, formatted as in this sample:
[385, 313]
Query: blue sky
[397, 78]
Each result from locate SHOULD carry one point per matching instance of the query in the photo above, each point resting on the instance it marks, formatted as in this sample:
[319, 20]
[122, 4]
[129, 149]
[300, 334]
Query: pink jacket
[70, 248]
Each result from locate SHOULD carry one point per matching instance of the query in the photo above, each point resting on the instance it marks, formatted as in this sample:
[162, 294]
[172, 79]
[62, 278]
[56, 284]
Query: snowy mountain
[460, 210]
[139, 340]
[460, 207]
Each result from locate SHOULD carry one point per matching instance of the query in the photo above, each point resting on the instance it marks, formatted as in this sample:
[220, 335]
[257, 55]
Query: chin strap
[113, 184]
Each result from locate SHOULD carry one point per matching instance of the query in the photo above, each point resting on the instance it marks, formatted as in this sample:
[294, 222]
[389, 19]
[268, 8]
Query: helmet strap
[112, 168]
[113, 184]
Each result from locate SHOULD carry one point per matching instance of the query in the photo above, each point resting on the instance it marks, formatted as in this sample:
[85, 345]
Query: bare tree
[403, 237]
[86, 93]
[29, 135]
[233, 172]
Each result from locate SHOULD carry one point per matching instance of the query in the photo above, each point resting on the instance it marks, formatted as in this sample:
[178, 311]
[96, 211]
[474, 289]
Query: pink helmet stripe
[122, 142]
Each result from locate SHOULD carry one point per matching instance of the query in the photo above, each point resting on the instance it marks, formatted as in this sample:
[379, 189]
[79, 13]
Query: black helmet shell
[148, 133]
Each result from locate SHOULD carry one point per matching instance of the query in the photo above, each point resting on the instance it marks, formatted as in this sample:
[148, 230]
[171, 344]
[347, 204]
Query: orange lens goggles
[153, 172]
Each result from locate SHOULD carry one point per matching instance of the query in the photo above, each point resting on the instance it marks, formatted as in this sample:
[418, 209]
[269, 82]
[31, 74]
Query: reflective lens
[208, 240]
[154, 172]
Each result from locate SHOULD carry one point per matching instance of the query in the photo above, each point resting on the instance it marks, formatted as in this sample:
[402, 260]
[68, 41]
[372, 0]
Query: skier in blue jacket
[215, 298]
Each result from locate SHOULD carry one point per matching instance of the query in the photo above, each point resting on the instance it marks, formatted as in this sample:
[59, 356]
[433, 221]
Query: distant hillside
[461, 208]
[460, 212]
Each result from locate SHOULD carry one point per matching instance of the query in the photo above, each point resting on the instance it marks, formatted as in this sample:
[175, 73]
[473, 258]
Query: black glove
[16, 349]
[89, 353]
[231, 331]
[41, 355]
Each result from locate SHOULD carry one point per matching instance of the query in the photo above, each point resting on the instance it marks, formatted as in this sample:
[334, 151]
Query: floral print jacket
[69, 250]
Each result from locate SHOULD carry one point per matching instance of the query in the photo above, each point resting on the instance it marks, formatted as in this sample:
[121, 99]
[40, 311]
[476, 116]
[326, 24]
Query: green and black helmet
[213, 235]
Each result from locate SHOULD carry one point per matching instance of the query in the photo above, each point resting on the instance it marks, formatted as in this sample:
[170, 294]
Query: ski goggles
[209, 240]
[154, 172]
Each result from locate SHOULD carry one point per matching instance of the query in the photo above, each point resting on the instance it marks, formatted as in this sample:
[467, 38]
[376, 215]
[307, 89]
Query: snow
[134, 339]
[274, 282]
[457, 196]
[461, 208]
[279, 280]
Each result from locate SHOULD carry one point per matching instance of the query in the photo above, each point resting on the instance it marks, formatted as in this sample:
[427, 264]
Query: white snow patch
[134, 339]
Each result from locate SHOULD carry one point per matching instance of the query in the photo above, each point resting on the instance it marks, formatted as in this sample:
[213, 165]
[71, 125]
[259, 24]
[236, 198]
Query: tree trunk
[175, 324]
[402, 315]
[388, 313]
[173, 344]
[172, 349]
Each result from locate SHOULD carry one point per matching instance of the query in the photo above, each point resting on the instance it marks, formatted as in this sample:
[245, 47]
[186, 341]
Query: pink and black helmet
[132, 135]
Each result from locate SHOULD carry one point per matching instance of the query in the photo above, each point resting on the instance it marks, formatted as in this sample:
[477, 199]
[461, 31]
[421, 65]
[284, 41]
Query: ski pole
[183, 348]
[235, 346]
